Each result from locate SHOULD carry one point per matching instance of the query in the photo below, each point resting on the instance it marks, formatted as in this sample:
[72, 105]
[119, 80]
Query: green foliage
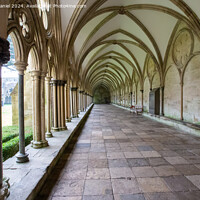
[11, 146]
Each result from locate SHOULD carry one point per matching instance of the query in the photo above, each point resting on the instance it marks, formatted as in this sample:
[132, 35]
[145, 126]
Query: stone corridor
[119, 155]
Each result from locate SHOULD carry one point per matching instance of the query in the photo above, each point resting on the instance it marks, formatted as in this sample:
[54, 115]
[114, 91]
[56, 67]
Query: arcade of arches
[100, 51]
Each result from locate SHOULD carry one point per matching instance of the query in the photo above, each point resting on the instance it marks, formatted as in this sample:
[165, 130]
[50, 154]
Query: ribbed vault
[112, 40]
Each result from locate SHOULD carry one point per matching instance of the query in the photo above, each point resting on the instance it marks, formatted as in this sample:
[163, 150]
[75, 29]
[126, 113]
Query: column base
[49, 134]
[4, 190]
[45, 143]
[37, 145]
[63, 129]
[55, 129]
[68, 120]
[22, 158]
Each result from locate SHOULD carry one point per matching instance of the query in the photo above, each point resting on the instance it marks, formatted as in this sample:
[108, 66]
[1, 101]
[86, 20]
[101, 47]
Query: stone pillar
[48, 96]
[58, 105]
[39, 140]
[68, 112]
[78, 102]
[22, 157]
[62, 106]
[162, 101]
[74, 102]
[81, 100]
[55, 109]
[4, 58]
[42, 103]
[85, 101]
[142, 94]
[181, 100]
[131, 99]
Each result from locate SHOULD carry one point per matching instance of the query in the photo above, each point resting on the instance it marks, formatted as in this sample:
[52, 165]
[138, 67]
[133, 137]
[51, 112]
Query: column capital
[21, 67]
[62, 82]
[54, 81]
[35, 73]
[81, 92]
[74, 88]
[48, 78]
[43, 74]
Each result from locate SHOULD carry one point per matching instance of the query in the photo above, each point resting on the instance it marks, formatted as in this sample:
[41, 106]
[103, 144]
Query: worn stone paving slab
[122, 156]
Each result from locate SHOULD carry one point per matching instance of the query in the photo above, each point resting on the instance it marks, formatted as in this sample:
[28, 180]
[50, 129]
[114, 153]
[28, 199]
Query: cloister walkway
[122, 156]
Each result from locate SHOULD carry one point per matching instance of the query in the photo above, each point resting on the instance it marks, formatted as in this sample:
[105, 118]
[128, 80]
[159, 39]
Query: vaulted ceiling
[111, 38]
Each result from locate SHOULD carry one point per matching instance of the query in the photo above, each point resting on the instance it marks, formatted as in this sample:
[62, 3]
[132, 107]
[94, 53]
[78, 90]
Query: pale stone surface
[125, 186]
[176, 160]
[98, 173]
[121, 172]
[152, 185]
[195, 180]
[144, 172]
[97, 187]
[167, 170]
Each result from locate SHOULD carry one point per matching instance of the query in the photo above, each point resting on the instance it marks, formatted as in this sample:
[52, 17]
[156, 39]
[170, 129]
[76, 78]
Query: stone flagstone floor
[119, 155]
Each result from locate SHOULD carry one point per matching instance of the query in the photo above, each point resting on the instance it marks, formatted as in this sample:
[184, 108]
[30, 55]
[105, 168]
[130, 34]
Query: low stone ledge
[184, 126]
[27, 179]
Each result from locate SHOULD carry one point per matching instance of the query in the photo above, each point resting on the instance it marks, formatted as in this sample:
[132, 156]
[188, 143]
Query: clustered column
[68, 110]
[48, 95]
[81, 101]
[62, 105]
[74, 102]
[39, 140]
[59, 105]
[85, 101]
[55, 110]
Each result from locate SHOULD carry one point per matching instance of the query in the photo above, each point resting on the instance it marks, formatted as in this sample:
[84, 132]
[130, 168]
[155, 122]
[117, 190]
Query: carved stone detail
[182, 48]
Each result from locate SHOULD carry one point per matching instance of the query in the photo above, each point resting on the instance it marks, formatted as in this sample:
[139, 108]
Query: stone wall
[183, 56]
[182, 67]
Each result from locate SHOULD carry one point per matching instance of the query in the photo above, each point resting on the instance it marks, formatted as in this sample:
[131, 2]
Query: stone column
[85, 101]
[181, 100]
[131, 99]
[74, 102]
[82, 100]
[142, 94]
[48, 96]
[78, 102]
[162, 101]
[68, 113]
[37, 139]
[4, 58]
[55, 109]
[58, 104]
[62, 106]
[83, 96]
[42, 97]
[22, 157]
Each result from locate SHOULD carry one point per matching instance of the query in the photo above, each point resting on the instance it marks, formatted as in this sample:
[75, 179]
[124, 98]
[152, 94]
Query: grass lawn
[7, 115]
